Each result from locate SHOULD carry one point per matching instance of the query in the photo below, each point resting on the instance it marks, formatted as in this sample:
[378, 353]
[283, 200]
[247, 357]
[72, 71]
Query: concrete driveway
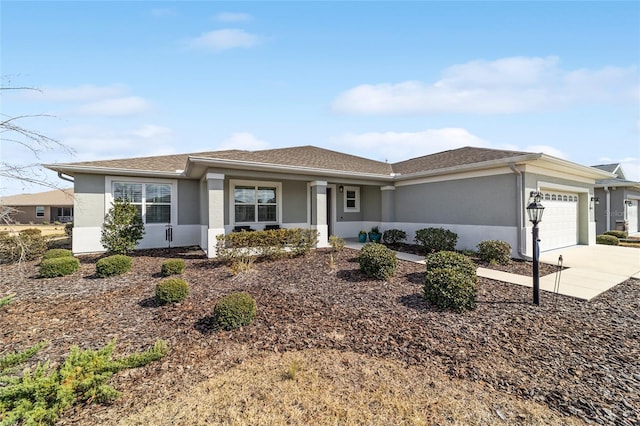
[592, 269]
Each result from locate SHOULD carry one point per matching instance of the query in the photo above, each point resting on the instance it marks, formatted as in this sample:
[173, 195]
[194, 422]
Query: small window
[565, 198]
[351, 199]
[40, 211]
[547, 196]
[553, 197]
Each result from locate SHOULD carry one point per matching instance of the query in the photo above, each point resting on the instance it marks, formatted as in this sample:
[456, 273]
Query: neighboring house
[478, 193]
[617, 207]
[50, 206]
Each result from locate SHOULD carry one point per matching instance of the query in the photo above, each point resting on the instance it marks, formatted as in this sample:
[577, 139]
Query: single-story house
[617, 207]
[49, 206]
[478, 193]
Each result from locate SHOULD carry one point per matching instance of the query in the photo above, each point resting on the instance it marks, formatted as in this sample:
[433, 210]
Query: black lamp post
[535, 210]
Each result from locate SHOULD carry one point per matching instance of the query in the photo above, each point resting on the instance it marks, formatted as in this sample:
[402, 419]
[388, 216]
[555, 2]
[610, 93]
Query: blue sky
[384, 80]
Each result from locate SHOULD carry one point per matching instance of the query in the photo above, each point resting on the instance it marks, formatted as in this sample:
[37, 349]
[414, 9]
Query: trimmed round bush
[55, 253]
[172, 267]
[234, 310]
[377, 261]
[436, 239]
[113, 265]
[450, 281]
[608, 240]
[59, 266]
[618, 234]
[495, 251]
[394, 236]
[171, 290]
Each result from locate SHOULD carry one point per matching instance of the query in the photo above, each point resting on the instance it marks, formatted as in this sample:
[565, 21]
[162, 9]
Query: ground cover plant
[353, 338]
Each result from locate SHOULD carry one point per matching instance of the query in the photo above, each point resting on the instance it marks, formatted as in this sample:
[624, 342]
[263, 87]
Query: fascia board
[577, 169]
[71, 169]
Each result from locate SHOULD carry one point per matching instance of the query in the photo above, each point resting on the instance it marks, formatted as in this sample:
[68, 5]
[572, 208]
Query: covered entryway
[559, 226]
[632, 216]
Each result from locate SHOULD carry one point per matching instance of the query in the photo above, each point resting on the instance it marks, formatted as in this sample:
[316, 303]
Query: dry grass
[46, 229]
[340, 388]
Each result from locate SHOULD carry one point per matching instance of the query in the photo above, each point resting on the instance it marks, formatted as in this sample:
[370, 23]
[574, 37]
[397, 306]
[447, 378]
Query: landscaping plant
[433, 240]
[29, 244]
[608, 240]
[172, 267]
[59, 266]
[122, 228]
[377, 261]
[234, 310]
[494, 251]
[54, 253]
[113, 265]
[394, 236]
[336, 243]
[621, 235]
[450, 281]
[39, 396]
[171, 290]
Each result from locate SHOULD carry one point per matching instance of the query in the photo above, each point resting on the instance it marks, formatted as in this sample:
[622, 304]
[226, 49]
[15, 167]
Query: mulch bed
[579, 358]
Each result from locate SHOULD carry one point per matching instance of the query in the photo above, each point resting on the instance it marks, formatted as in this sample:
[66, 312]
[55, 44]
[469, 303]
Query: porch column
[215, 211]
[388, 201]
[319, 211]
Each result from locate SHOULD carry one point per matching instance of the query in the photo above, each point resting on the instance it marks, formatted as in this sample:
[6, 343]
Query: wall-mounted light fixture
[341, 189]
[628, 203]
[595, 200]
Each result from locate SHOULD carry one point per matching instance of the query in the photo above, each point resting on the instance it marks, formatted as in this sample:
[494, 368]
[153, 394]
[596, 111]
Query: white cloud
[503, 86]
[400, 146]
[233, 17]
[83, 93]
[224, 39]
[129, 105]
[243, 140]
[149, 131]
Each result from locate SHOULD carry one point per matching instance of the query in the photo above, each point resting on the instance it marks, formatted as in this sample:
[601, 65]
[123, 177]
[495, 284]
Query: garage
[559, 226]
[632, 216]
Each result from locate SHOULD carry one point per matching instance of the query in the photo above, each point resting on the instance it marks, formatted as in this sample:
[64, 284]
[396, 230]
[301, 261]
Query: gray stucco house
[618, 198]
[478, 193]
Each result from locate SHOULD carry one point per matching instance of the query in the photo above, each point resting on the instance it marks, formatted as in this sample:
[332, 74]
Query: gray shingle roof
[611, 168]
[453, 158]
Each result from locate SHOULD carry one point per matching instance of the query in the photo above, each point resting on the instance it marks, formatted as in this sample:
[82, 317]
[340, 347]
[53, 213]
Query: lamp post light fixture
[535, 210]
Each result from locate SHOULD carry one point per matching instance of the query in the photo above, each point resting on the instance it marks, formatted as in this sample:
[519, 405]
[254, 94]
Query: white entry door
[632, 216]
[559, 226]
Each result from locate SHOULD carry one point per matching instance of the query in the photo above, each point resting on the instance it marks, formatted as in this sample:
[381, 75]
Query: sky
[387, 81]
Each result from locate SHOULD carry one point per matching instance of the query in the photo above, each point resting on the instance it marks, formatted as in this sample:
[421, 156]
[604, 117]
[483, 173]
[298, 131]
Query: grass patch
[332, 387]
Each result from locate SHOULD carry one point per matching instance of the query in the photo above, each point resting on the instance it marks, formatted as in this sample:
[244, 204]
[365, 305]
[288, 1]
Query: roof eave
[578, 169]
[70, 169]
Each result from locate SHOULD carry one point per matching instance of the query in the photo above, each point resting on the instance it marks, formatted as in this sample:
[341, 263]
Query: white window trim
[44, 211]
[108, 194]
[232, 200]
[355, 209]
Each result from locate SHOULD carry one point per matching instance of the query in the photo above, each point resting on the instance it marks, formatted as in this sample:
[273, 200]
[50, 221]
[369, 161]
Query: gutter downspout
[519, 212]
[608, 209]
[68, 179]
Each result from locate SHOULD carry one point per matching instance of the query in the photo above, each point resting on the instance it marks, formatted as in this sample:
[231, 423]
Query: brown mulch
[579, 358]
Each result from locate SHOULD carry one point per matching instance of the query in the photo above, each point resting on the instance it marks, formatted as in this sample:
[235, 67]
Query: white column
[215, 210]
[319, 211]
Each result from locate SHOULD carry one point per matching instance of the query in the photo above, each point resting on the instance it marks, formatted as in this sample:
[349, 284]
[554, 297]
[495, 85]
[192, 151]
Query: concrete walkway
[592, 269]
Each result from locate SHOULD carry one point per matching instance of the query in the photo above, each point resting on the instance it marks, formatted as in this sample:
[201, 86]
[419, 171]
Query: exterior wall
[370, 205]
[294, 202]
[188, 202]
[27, 214]
[600, 211]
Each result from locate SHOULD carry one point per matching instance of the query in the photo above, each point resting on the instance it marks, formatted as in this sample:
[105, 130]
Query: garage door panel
[559, 226]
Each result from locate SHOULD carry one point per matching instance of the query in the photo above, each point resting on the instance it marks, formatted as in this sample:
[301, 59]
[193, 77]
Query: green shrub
[172, 267]
[377, 261]
[58, 267]
[270, 244]
[68, 229]
[618, 234]
[45, 223]
[113, 265]
[608, 240]
[336, 243]
[436, 239]
[495, 251]
[122, 228]
[394, 236]
[38, 396]
[171, 290]
[29, 244]
[234, 310]
[450, 281]
[57, 222]
[53, 253]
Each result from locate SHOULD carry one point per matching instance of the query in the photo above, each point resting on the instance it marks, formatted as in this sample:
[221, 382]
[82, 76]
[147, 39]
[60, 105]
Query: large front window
[255, 203]
[152, 200]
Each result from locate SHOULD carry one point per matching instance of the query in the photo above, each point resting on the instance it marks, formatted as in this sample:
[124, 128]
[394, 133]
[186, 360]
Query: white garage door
[632, 216]
[559, 226]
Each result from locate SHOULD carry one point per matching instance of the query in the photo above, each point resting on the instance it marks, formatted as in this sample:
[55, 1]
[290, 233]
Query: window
[255, 203]
[152, 200]
[351, 199]
[40, 211]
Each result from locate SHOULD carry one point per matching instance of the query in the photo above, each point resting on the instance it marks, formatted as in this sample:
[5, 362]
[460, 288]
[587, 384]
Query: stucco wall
[188, 202]
[487, 201]
[294, 201]
[89, 208]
